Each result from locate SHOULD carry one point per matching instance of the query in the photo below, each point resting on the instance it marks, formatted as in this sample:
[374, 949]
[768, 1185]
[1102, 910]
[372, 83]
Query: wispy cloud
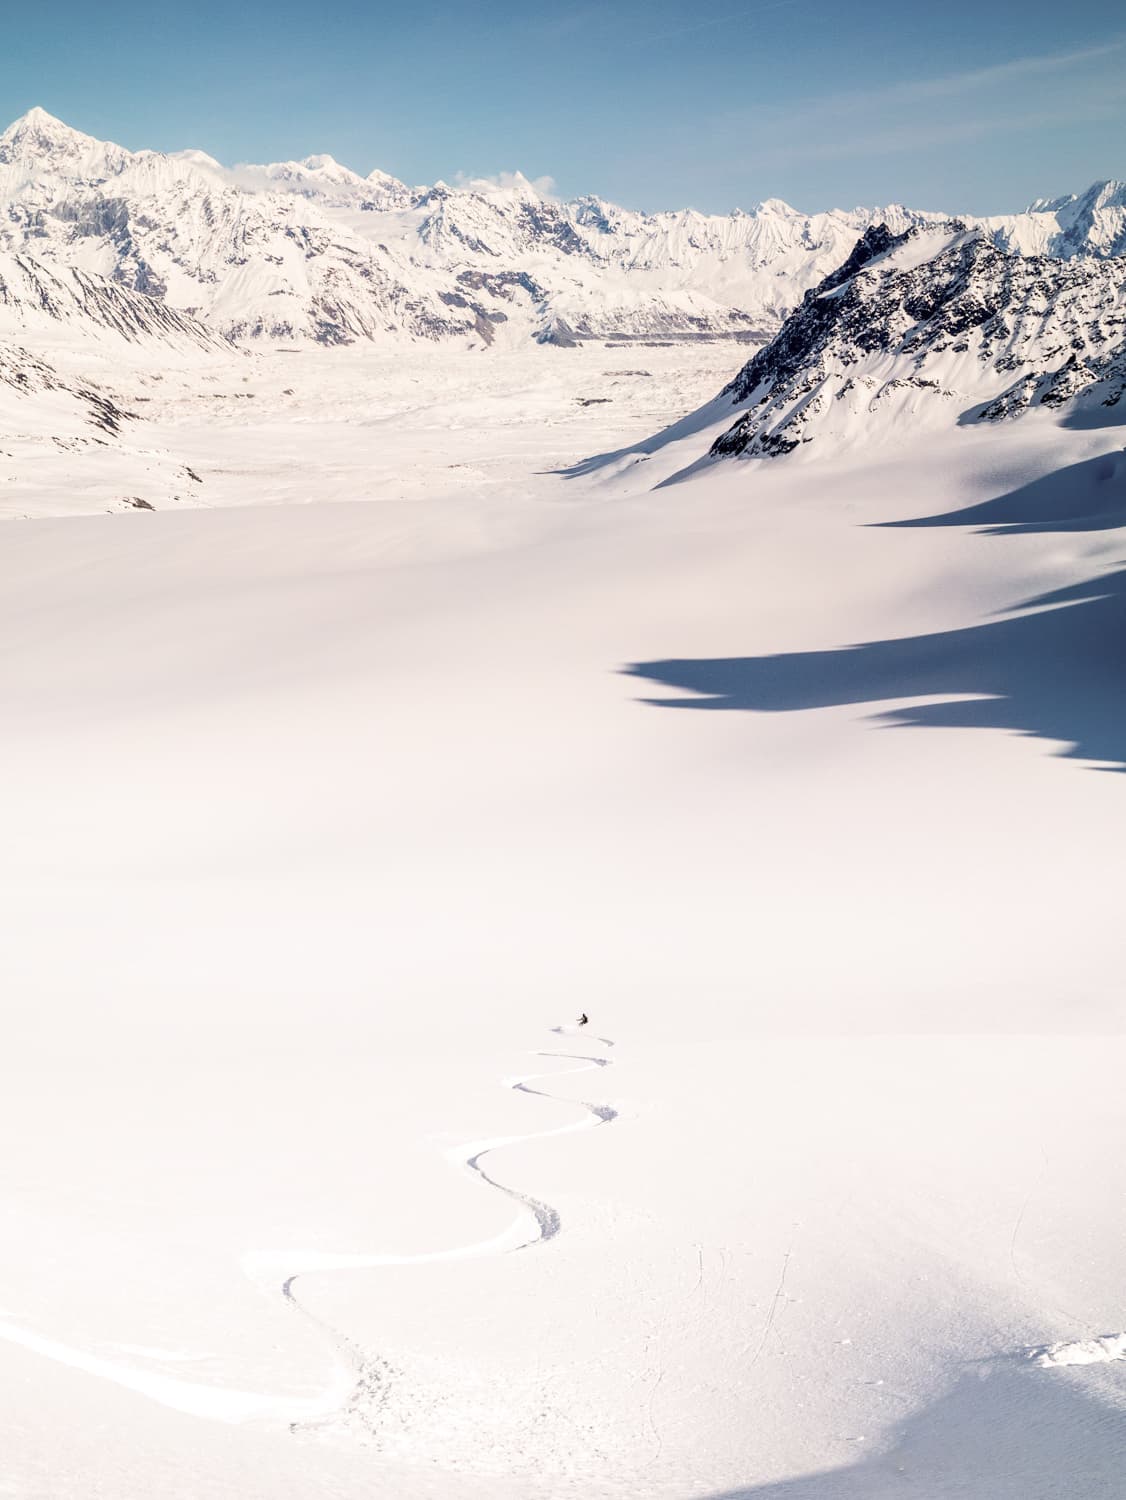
[919, 137]
[950, 85]
[893, 119]
[504, 182]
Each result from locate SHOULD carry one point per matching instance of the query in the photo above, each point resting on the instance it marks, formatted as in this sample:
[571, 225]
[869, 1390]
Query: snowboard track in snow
[369, 1371]
[362, 1380]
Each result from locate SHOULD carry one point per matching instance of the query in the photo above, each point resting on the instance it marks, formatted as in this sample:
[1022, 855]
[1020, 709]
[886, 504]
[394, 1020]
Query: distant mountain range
[310, 251]
[34, 296]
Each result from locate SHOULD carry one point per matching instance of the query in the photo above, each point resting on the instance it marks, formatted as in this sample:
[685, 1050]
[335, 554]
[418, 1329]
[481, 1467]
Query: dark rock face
[544, 223]
[501, 284]
[956, 326]
[25, 374]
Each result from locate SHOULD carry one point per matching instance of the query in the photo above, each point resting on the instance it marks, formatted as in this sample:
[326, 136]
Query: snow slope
[73, 348]
[1090, 223]
[70, 306]
[390, 733]
[320, 818]
[929, 331]
[931, 327]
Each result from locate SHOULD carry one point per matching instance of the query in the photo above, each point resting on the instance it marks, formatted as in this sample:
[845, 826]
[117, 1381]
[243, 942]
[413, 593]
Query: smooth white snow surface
[319, 817]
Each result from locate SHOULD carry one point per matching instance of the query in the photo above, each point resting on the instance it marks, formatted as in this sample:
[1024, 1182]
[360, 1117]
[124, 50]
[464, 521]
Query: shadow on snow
[1056, 674]
[1087, 496]
[1007, 1432]
[719, 412]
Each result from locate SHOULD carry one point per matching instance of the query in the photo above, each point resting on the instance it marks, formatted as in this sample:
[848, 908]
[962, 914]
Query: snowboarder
[583, 1019]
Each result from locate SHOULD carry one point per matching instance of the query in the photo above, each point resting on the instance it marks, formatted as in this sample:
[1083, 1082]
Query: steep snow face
[1090, 223]
[75, 304]
[934, 326]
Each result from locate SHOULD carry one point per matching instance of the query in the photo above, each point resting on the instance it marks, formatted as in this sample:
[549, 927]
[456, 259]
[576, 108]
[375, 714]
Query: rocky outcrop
[934, 325]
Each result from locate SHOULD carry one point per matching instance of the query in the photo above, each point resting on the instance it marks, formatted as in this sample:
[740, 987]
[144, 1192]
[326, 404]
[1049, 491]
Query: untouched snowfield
[322, 824]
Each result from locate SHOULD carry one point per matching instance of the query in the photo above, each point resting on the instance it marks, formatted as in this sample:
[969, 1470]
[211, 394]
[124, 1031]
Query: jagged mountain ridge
[313, 251]
[937, 324]
[57, 416]
[35, 298]
[1090, 223]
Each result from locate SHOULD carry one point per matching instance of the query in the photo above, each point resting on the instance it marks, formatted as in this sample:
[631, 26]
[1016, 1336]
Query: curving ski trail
[275, 1272]
[537, 1221]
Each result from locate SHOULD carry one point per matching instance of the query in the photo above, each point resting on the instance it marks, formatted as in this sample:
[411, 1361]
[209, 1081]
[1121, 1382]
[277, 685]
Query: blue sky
[957, 106]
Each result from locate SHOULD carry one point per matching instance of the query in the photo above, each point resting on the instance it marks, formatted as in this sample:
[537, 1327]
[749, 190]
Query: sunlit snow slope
[319, 819]
[402, 714]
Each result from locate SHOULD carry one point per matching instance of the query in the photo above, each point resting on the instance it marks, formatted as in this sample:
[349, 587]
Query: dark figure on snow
[583, 1019]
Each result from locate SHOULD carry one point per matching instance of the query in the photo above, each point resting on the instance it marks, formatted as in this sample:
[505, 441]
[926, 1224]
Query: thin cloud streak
[883, 143]
[1020, 67]
[824, 129]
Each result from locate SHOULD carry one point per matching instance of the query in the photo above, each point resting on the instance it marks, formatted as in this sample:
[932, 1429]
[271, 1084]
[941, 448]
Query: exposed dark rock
[876, 327]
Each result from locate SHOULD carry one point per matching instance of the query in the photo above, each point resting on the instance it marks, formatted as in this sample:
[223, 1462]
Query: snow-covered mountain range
[36, 299]
[937, 325]
[311, 251]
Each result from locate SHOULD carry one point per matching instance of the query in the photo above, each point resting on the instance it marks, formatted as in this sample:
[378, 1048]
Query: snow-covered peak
[932, 327]
[1100, 195]
[38, 141]
[922, 243]
[197, 159]
[322, 180]
[509, 187]
[43, 130]
[1088, 223]
[329, 167]
[310, 249]
[777, 206]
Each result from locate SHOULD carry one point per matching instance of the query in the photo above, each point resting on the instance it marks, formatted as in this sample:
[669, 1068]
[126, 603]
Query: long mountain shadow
[1019, 1433]
[1058, 674]
[1087, 496]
